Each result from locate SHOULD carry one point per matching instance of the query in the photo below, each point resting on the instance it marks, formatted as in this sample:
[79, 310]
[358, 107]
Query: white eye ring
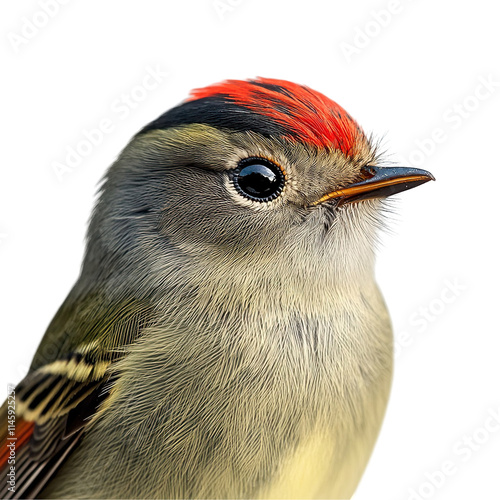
[258, 179]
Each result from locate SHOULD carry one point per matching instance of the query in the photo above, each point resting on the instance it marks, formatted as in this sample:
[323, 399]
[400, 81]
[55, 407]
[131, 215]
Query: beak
[379, 182]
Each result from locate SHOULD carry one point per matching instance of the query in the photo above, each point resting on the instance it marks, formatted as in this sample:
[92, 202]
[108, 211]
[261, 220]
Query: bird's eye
[258, 179]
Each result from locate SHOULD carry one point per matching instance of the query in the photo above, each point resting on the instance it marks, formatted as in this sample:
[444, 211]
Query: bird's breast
[316, 469]
[280, 406]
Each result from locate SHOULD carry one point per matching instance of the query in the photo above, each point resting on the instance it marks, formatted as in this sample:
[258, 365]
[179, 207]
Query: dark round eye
[258, 179]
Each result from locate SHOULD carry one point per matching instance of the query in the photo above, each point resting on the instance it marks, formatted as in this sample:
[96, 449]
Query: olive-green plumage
[216, 345]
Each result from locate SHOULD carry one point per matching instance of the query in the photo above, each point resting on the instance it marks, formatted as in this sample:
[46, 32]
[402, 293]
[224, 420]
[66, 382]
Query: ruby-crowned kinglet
[226, 337]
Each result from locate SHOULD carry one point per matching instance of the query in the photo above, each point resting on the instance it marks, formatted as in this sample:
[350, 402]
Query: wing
[56, 401]
[51, 412]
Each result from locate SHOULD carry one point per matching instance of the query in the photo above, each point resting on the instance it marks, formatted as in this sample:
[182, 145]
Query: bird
[226, 337]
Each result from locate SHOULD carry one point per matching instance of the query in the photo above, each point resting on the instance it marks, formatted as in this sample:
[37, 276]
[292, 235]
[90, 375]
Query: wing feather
[57, 400]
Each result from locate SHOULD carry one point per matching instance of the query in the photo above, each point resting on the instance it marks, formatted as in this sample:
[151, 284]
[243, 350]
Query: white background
[418, 69]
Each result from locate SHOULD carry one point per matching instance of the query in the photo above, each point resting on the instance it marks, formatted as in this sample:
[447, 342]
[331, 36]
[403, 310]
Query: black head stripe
[220, 112]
